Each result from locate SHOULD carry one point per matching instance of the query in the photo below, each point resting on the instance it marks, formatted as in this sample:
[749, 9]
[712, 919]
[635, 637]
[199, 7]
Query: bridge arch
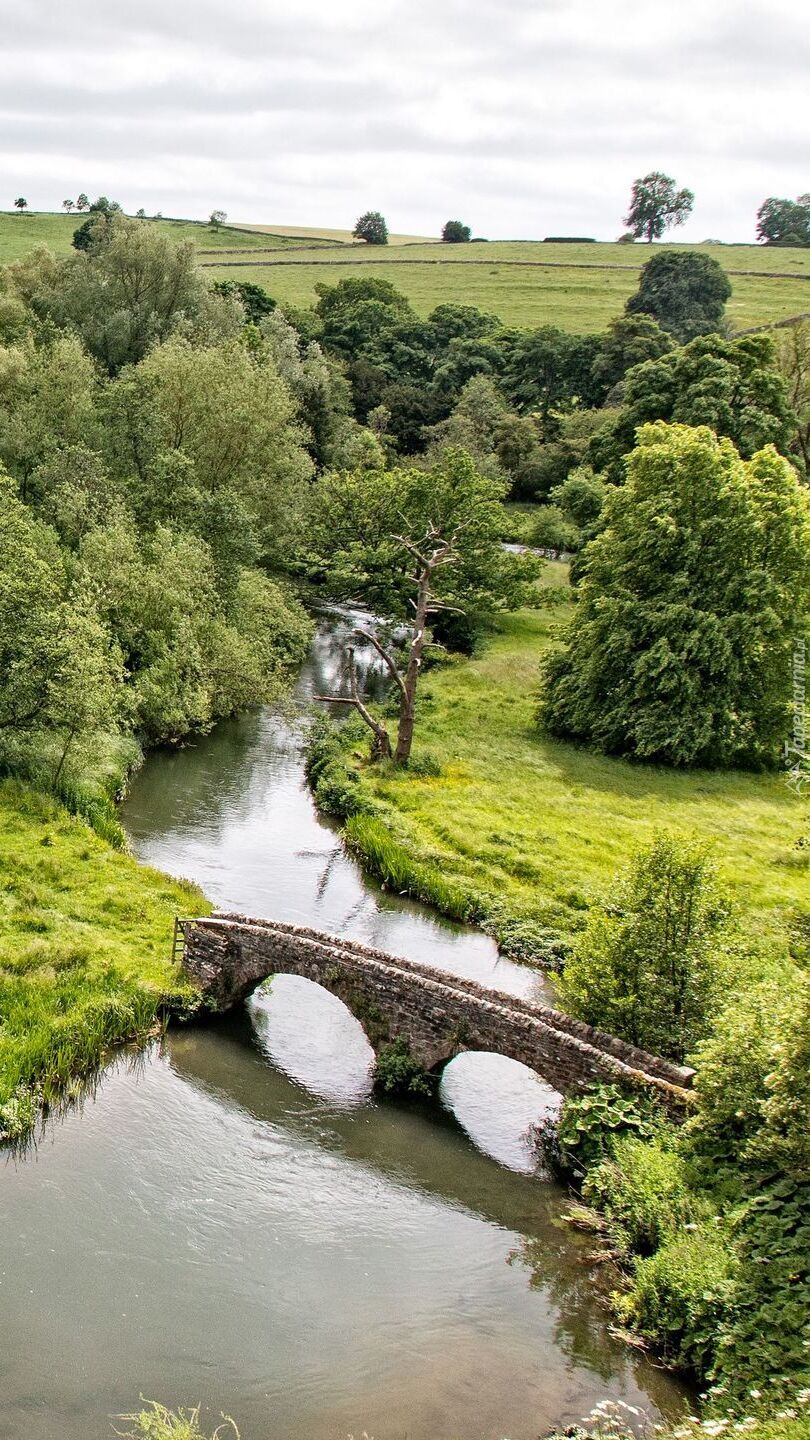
[437, 1014]
[312, 1036]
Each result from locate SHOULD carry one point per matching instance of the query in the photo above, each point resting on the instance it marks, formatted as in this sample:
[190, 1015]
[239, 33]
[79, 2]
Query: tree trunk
[407, 704]
[68, 743]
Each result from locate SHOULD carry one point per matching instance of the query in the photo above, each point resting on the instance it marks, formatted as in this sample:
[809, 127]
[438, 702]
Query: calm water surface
[233, 1219]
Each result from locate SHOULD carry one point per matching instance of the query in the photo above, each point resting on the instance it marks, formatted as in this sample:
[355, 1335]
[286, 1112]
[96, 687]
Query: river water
[233, 1219]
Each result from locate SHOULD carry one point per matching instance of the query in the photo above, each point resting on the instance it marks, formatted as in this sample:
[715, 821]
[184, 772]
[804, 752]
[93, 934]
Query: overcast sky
[520, 117]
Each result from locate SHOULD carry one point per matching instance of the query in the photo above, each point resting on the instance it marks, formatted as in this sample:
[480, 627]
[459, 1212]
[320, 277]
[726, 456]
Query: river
[233, 1218]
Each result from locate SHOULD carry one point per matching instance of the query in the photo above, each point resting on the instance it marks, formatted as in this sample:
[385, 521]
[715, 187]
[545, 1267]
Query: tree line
[160, 432]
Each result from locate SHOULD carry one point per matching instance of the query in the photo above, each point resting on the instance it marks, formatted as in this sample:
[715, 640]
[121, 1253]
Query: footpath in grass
[85, 950]
[537, 828]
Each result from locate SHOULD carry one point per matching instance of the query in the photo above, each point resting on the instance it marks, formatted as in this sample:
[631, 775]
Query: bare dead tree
[430, 553]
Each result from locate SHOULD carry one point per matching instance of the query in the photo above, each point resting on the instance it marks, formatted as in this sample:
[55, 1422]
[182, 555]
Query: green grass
[524, 282]
[21, 233]
[85, 949]
[536, 828]
[527, 283]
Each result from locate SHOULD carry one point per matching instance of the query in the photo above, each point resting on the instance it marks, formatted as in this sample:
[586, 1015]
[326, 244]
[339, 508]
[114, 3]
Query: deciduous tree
[372, 228]
[455, 233]
[694, 591]
[413, 544]
[655, 205]
[784, 222]
[685, 292]
[733, 386]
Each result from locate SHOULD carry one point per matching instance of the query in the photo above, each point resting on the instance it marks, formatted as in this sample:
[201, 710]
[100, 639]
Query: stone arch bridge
[438, 1014]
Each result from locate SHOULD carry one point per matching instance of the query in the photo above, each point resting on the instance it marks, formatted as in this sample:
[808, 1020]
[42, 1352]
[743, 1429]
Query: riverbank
[85, 950]
[494, 822]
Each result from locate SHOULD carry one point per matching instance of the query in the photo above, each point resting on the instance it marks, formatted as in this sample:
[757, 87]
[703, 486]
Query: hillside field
[525, 282]
[21, 233]
[529, 283]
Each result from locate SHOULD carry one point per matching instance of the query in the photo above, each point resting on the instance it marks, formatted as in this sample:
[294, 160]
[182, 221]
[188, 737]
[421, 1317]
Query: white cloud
[522, 117]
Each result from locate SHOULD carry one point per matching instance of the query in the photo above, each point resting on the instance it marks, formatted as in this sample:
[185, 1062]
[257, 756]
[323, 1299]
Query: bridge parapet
[438, 1014]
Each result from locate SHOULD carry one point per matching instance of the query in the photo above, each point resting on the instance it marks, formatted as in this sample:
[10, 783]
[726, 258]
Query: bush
[643, 1192]
[646, 966]
[679, 1297]
[588, 1127]
[764, 1338]
[569, 240]
[398, 1073]
[733, 1069]
[552, 531]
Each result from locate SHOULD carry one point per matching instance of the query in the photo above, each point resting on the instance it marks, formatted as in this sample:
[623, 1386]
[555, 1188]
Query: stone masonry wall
[438, 1014]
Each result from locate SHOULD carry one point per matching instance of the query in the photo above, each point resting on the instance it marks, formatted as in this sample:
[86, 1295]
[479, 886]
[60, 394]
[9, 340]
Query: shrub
[398, 1073]
[643, 1192]
[733, 1066]
[679, 1297]
[588, 1126]
[764, 1337]
[646, 965]
[552, 531]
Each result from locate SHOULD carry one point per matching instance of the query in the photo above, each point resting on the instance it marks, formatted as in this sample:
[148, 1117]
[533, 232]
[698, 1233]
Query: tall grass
[85, 951]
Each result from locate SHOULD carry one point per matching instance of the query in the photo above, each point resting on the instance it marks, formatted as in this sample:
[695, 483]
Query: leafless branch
[383, 654]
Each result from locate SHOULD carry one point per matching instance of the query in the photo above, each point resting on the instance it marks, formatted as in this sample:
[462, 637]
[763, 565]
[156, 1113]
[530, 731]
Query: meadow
[20, 234]
[528, 283]
[538, 828]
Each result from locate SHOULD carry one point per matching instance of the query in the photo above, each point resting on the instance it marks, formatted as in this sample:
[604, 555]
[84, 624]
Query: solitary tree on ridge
[655, 205]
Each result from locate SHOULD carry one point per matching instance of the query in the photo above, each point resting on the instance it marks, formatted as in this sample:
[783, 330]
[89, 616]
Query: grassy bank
[495, 820]
[85, 950]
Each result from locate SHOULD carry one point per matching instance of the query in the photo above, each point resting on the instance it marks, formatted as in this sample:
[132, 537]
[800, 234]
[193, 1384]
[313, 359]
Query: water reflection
[499, 1102]
[314, 1038]
[234, 813]
[237, 1221]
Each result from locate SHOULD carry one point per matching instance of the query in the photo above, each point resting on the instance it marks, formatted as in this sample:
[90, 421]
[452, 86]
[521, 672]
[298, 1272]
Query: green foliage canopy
[686, 292]
[680, 649]
[645, 967]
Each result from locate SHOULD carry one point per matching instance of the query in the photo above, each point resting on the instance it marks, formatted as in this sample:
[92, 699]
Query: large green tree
[655, 204]
[413, 545]
[47, 400]
[793, 355]
[733, 386]
[686, 292]
[209, 434]
[784, 222]
[372, 228]
[680, 650]
[48, 639]
[131, 289]
[630, 340]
